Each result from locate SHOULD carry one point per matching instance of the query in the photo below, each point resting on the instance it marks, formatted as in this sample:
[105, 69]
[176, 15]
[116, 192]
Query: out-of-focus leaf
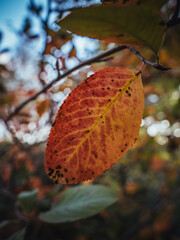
[27, 200]
[72, 52]
[80, 202]
[5, 99]
[58, 39]
[18, 235]
[42, 107]
[133, 25]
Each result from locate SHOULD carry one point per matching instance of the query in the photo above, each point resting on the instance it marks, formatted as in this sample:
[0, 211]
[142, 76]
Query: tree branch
[46, 87]
[152, 64]
[98, 58]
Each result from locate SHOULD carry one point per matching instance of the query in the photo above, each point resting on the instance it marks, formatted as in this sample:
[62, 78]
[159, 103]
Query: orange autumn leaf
[95, 126]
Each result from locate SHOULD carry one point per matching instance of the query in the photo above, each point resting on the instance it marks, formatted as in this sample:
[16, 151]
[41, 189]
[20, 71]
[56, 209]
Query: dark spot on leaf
[67, 180]
[73, 178]
[120, 35]
[62, 175]
[65, 170]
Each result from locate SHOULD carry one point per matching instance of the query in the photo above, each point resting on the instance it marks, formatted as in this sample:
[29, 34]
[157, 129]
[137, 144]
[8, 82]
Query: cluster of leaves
[144, 184]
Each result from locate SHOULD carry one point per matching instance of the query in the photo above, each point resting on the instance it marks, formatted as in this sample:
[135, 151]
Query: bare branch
[44, 89]
[152, 64]
[98, 58]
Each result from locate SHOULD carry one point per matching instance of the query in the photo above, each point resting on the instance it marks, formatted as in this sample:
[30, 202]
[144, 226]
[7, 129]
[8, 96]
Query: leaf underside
[134, 25]
[95, 126]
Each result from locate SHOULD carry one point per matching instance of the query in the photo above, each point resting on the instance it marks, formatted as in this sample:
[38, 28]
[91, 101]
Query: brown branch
[46, 87]
[87, 62]
[152, 64]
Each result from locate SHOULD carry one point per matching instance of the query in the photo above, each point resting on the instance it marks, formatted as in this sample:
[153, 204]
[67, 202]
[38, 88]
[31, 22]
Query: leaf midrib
[131, 80]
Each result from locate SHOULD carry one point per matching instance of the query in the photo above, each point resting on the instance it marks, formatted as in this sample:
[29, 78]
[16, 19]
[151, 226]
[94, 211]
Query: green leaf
[153, 4]
[133, 25]
[27, 200]
[18, 235]
[80, 202]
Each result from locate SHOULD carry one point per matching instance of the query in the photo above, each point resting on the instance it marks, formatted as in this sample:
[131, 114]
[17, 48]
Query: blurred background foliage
[147, 178]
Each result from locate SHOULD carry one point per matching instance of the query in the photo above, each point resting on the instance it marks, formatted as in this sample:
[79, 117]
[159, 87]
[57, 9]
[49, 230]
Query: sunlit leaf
[133, 25]
[95, 126]
[80, 202]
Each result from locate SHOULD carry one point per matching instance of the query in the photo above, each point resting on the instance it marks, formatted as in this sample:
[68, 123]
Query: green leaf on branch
[80, 202]
[27, 200]
[133, 25]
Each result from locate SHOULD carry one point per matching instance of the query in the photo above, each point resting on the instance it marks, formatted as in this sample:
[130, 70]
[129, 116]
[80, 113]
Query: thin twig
[46, 87]
[87, 62]
[152, 64]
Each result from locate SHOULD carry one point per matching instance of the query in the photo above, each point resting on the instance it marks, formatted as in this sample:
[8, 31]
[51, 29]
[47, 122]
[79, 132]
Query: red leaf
[95, 126]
